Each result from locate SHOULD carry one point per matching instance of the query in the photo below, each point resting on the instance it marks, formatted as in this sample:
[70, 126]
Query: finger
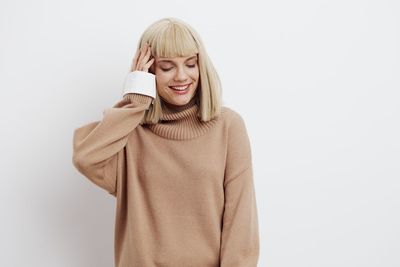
[135, 59]
[145, 58]
[140, 58]
[148, 64]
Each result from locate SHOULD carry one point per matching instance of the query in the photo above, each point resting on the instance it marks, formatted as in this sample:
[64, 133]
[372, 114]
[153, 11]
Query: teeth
[180, 88]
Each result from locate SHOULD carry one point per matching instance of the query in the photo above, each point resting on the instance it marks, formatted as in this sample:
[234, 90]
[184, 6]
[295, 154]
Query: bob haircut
[171, 37]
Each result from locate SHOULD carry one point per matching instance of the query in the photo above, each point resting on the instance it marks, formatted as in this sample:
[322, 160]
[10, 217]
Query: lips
[180, 87]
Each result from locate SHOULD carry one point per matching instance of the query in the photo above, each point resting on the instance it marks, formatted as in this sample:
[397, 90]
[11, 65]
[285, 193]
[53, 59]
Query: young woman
[178, 163]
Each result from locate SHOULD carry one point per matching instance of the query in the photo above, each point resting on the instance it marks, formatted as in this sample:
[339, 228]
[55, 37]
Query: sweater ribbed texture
[182, 125]
[184, 188]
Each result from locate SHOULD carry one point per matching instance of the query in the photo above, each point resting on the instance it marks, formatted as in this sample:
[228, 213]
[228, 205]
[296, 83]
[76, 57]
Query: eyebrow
[167, 60]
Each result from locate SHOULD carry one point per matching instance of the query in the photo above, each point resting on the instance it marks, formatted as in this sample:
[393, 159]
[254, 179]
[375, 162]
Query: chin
[182, 102]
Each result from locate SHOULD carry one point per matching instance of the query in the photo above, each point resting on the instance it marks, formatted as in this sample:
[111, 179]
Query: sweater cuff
[140, 82]
[138, 98]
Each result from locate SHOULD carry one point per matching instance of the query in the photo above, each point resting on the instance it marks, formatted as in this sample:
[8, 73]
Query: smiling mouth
[180, 88]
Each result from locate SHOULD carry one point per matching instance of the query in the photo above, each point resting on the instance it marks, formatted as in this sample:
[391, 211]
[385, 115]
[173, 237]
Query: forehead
[175, 59]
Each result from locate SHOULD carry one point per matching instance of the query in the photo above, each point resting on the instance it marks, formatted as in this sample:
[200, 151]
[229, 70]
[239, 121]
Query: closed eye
[166, 69]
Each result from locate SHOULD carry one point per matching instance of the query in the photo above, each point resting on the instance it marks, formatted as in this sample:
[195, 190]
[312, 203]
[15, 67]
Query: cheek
[194, 74]
[162, 79]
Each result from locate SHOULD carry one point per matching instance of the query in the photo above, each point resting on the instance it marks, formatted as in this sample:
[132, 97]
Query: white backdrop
[317, 83]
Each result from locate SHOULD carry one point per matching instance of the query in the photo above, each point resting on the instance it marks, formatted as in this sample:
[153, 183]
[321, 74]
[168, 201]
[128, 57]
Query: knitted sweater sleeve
[240, 236]
[98, 146]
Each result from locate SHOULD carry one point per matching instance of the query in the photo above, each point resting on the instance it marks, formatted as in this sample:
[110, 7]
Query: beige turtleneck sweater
[184, 189]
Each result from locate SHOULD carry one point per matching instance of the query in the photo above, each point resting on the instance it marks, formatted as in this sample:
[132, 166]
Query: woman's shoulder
[232, 117]
[236, 131]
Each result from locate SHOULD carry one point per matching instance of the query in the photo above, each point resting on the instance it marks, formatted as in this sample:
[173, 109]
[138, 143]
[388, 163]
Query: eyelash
[190, 66]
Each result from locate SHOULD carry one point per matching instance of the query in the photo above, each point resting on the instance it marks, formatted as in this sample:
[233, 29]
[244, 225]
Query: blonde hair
[171, 37]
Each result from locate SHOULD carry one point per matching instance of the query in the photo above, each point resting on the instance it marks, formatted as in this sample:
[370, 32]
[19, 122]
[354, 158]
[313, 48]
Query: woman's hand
[141, 60]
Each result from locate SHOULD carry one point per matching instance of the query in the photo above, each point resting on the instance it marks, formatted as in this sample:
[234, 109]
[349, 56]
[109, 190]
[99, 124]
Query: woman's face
[176, 78]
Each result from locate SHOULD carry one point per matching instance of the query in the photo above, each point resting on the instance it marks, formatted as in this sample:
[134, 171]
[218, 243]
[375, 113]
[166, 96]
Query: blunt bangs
[173, 40]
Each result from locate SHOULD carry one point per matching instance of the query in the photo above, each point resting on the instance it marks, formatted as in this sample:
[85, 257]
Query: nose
[180, 75]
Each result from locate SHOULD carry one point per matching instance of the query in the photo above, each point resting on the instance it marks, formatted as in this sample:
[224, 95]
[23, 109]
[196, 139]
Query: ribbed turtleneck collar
[169, 108]
[181, 122]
